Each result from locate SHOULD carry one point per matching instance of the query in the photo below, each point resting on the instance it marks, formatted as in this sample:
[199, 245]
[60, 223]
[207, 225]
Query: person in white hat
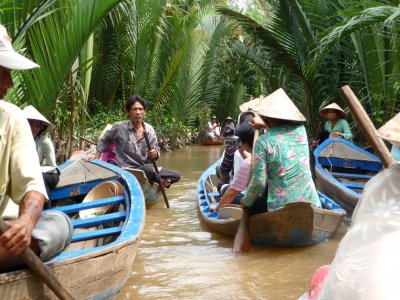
[336, 125]
[281, 158]
[40, 126]
[20, 176]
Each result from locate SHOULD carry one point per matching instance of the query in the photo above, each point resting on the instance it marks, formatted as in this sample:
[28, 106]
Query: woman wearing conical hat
[40, 126]
[336, 124]
[281, 158]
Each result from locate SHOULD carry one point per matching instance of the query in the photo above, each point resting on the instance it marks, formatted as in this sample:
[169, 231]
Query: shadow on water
[180, 258]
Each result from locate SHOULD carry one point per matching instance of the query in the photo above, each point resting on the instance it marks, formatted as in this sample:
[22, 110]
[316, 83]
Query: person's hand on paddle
[152, 154]
[18, 236]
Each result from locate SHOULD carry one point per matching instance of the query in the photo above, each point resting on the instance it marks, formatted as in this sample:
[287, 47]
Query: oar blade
[242, 237]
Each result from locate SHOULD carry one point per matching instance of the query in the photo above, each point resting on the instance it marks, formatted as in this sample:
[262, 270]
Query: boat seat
[348, 175]
[139, 174]
[93, 204]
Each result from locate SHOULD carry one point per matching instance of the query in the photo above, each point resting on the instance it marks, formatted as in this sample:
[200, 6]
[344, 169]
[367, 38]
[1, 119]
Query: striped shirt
[241, 178]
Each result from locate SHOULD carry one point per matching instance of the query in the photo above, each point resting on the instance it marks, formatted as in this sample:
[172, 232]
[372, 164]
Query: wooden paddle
[155, 168]
[40, 269]
[367, 126]
[242, 237]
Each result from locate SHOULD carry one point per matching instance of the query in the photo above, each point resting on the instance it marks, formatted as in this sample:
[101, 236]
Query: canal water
[180, 258]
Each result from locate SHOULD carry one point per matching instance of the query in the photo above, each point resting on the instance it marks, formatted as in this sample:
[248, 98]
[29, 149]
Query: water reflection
[179, 258]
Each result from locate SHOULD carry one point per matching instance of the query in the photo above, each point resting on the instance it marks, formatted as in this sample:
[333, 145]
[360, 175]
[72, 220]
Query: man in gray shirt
[131, 148]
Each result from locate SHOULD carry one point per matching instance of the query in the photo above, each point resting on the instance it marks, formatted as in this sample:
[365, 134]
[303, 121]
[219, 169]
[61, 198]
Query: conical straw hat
[391, 130]
[106, 189]
[334, 106]
[278, 106]
[249, 105]
[31, 113]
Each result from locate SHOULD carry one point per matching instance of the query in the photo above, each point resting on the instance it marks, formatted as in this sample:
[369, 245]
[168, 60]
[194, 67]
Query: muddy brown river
[180, 258]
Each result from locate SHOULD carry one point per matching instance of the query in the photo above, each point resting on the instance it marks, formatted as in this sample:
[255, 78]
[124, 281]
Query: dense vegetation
[191, 58]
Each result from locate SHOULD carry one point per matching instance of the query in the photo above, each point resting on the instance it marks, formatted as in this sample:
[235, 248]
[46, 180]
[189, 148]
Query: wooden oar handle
[366, 124]
[40, 269]
[146, 138]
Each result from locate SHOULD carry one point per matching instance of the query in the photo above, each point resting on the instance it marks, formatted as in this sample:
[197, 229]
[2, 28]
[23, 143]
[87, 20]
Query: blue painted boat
[342, 170]
[294, 225]
[99, 260]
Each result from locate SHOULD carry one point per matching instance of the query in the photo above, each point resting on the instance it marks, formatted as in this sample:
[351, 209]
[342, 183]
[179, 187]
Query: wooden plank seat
[96, 234]
[98, 203]
[111, 217]
[353, 176]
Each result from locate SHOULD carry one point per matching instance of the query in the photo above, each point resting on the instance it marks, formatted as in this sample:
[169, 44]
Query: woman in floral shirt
[281, 156]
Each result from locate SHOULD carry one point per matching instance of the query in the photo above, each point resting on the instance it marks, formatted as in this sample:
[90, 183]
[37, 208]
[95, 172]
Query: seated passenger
[231, 158]
[40, 126]
[131, 147]
[336, 125]
[281, 157]
[235, 191]
[229, 128]
[213, 131]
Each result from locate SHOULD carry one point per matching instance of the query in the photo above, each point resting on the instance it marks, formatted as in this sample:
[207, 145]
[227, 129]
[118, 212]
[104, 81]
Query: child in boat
[281, 157]
[336, 125]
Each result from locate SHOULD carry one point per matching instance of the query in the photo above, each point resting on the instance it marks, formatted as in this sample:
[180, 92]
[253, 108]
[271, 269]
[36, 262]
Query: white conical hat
[9, 58]
[334, 106]
[32, 114]
[249, 105]
[391, 130]
[278, 106]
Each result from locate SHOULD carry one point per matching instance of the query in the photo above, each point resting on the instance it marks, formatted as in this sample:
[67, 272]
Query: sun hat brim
[32, 113]
[391, 130]
[12, 60]
[323, 111]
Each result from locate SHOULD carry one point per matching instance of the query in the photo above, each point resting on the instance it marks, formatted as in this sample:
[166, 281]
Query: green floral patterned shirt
[282, 160]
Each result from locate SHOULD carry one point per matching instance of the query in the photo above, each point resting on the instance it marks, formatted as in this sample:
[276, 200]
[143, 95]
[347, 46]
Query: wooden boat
[342, 170]
[216, 142]
[296, 224]
[99, 260]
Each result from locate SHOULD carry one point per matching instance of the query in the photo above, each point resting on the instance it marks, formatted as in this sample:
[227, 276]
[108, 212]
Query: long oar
[40, 269]
[156, 169]
[367, 126]
[241, 242]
